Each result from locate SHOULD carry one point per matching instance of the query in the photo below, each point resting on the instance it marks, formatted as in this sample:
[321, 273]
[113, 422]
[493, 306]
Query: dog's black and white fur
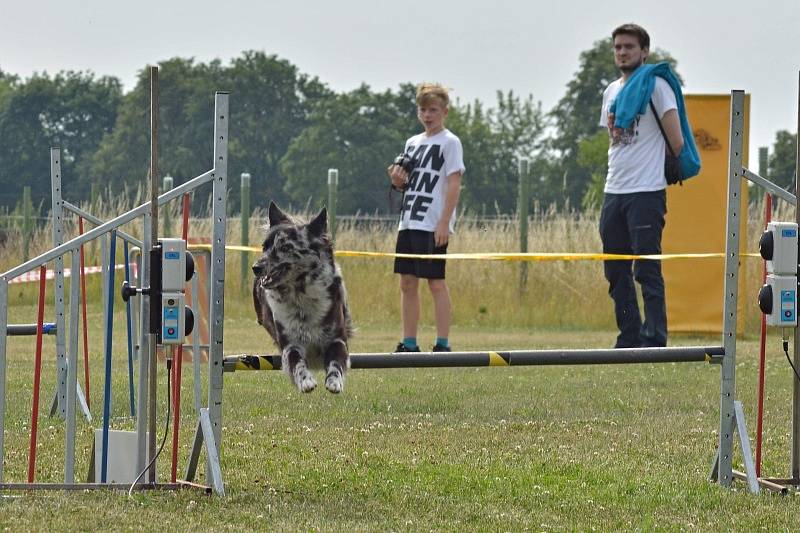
[300, 299]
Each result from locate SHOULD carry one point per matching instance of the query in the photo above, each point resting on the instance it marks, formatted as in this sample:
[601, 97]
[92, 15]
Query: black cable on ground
[166, 429]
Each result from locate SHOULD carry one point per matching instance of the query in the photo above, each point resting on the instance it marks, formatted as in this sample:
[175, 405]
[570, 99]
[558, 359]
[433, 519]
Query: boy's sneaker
[403, 348]
[440, 348]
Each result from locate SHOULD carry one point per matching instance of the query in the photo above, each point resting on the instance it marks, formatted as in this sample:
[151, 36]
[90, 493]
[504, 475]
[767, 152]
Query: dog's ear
[276, 216]
[319, 225]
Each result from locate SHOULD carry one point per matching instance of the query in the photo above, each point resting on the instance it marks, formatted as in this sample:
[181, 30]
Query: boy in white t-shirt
[431, 191]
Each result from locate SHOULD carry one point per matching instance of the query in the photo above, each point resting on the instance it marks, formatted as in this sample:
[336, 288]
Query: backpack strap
[663, 133]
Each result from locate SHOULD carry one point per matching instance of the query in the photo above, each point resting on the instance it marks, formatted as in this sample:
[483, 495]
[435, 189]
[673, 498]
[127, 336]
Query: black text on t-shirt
[423, 180]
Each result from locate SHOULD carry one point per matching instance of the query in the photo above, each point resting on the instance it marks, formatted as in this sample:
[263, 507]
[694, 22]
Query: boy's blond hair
[429, 92]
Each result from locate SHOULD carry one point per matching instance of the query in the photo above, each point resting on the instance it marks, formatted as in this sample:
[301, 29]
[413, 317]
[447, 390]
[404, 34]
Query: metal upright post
[795, 473]
[3, 337]
[217, 270]
[195, 304]
[522, 213]
[763, 162]
[333, 186]
[168, 184]
[144, 350]
[27, 226]
[58, 240]
[245, 213]
[728, 370]
[153, 240]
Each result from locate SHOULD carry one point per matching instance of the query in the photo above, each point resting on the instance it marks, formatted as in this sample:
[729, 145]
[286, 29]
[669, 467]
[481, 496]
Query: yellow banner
[696, 220]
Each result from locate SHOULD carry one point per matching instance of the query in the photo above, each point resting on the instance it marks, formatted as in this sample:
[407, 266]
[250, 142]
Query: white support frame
[69, 391]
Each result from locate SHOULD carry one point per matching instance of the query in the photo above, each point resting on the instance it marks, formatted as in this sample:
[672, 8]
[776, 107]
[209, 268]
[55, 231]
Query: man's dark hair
[635, 30]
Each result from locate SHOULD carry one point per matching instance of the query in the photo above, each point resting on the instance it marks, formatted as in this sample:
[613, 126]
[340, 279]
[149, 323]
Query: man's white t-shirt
[636, 154]
[438, 156]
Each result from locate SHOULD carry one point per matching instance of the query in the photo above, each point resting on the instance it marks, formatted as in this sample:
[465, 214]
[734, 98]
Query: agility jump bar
[677, 354]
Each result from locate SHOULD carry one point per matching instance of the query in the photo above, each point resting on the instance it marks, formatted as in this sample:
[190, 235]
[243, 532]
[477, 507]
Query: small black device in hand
[406, 162]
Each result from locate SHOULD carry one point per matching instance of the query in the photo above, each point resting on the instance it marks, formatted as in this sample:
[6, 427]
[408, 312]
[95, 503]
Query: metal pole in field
[522, 216]
[728, 372]
[3, 361]
[216, 273]
[144, 351]
[167, 216]
[763, 162]
[94, 196]
[763, 165]
[26, 222]
[795, 473]
[245, 212]
[59, 402]
[153, 241]
[72, 369]
[333, 185]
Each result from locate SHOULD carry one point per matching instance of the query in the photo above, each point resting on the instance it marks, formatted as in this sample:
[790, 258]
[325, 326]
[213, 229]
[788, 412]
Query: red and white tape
[33, 275]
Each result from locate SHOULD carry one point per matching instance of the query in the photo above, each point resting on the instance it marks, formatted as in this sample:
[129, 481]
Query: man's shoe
[403, 348]
[440, 348]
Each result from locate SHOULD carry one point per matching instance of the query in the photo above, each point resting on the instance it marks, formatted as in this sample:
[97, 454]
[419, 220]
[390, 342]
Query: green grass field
[488, 449]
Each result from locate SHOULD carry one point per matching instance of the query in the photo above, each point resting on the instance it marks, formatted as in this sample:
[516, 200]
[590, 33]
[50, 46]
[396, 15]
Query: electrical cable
[786, 351]
[166, 429]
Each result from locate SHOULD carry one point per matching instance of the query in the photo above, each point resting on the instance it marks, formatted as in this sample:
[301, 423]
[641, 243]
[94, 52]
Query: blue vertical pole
[130, 328]
[107, 384]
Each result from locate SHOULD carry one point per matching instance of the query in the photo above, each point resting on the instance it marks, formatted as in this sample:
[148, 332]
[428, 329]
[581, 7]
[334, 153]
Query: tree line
[287, 128]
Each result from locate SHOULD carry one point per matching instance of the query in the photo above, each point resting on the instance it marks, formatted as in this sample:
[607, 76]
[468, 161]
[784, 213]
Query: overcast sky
[475, 47]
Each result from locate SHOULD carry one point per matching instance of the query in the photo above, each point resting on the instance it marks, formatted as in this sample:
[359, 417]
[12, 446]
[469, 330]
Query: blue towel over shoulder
[634, 97]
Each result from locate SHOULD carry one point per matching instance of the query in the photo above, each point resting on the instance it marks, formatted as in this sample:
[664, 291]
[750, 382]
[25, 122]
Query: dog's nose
[258, 269]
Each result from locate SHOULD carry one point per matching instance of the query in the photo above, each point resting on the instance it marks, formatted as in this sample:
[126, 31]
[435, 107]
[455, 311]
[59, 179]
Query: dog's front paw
[305, 380]
[334, 382]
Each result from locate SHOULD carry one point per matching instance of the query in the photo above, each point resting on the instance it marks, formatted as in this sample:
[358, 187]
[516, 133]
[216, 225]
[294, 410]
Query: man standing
[635, 200]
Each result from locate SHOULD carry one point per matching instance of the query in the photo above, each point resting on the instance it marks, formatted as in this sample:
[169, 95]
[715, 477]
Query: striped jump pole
[37, 375]
[676, 354]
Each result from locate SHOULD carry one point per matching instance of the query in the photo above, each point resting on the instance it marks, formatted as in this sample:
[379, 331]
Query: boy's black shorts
[412, 241]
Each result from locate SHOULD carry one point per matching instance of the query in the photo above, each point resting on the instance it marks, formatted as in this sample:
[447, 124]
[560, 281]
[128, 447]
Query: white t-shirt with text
[636, 154]
[438, 157]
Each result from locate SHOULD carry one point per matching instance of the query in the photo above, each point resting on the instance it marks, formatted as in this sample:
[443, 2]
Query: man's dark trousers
[632, 224]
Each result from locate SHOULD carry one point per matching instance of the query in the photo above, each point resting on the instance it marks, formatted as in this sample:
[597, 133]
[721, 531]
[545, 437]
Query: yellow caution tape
[507, 256]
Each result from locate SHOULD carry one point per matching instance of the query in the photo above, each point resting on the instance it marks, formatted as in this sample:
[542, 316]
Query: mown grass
[526, 448]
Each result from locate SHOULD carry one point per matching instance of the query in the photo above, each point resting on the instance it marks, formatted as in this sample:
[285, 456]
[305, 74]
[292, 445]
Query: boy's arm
[442, 233]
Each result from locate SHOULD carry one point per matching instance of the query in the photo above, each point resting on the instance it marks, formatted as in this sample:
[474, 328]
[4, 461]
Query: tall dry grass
[560, 294]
